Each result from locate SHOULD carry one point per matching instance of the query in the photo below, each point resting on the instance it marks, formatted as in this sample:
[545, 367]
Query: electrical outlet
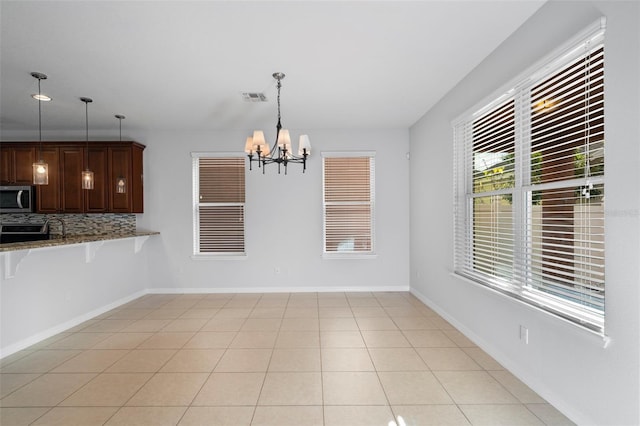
[524, 334]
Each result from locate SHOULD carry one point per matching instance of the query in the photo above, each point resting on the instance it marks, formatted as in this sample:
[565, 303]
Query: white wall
[283, 214]
[563, 363]
[53, 289]
[283, 217]
[283, 229]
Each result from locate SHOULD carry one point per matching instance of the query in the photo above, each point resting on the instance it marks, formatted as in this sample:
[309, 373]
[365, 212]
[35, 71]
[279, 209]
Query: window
[529, 187]
[218, 204]
[348, 203]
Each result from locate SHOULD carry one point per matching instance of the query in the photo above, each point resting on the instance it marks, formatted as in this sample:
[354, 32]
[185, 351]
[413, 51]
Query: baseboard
[326, 289]
[38, 337]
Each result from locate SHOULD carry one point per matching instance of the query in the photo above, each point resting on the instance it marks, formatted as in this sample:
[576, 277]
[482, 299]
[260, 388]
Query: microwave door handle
[19, 199]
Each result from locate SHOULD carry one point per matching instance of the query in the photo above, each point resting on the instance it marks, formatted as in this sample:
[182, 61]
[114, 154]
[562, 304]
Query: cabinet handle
[18, 199]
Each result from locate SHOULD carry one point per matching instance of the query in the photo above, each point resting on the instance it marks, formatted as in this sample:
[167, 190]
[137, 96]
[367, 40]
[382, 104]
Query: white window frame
[195, 166]
[463, 187]
[344, 255]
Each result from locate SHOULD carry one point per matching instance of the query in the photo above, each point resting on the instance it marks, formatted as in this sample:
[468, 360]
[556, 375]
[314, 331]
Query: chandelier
[259, 151]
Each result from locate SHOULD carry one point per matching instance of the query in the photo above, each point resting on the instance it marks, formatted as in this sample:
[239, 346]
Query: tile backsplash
[78, 224]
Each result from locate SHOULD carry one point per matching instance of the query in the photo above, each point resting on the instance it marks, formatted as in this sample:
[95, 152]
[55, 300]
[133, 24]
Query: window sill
[349, 256]
[219, 257]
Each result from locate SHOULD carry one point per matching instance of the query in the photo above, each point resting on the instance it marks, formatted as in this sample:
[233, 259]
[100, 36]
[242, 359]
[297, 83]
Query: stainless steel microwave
[16, 199]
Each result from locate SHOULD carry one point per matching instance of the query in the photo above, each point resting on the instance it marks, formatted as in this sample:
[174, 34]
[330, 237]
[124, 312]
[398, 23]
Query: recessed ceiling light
[41, 97]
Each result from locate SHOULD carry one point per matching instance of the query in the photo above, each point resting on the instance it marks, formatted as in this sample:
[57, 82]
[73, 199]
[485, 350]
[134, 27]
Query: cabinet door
[120, 168]
[71, 192]
[17, 164]
[48, 196]
[23, 159]
[5, 165]
[137, 180]
[97, 199]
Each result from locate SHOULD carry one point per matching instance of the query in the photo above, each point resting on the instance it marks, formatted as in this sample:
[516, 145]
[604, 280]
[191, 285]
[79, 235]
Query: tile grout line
[375, 369]
[264, 379]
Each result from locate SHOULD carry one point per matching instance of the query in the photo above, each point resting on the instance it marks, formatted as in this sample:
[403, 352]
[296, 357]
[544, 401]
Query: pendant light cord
[86, 116]
[86, 120]
[39, 121]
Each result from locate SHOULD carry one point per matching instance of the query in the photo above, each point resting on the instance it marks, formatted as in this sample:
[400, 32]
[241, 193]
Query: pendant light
[40, 168]
[87, 174]
[121, 181]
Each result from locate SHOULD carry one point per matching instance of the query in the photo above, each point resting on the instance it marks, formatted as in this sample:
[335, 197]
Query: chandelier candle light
[258, 149]
[87, 175]
[40, 168]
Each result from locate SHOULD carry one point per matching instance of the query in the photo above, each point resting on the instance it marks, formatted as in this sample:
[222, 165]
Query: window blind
[219, 205]
[348, 204]
[529, 187]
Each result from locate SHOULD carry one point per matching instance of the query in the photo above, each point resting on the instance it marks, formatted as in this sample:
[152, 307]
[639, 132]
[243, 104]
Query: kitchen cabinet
[16, 164]
[71, 167]
[63, 194]
[48, 196]
[97, 199]
[125, 170]
[110, 162]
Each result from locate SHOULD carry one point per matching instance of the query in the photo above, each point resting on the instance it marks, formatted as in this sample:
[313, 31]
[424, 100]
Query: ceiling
[177, 65]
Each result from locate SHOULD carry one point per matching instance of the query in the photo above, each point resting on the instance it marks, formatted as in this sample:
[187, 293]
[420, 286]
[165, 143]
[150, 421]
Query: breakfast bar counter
[73, 239]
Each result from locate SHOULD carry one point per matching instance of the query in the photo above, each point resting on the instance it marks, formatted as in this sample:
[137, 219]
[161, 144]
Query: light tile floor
[265, 359]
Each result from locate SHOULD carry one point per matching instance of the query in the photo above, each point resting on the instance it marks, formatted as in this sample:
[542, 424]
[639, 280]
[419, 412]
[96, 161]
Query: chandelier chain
[279, 86]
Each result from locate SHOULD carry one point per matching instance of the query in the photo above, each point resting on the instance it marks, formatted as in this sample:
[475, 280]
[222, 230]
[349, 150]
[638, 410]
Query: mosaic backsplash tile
[78, 224]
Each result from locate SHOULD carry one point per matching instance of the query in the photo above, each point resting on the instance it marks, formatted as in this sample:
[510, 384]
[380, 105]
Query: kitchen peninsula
[75, 239]
[50, 286]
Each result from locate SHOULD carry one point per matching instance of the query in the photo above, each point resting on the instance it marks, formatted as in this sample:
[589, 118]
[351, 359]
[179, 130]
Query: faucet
[64, 225]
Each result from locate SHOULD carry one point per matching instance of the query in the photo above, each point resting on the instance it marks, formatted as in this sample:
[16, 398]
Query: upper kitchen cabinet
[16, 164]
[71, 167]
[126, 179]
[48, 196]
[117, 168]
[63, 194]
[97, 199]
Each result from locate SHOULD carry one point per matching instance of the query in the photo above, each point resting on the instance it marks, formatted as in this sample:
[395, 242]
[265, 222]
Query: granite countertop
[72, 239]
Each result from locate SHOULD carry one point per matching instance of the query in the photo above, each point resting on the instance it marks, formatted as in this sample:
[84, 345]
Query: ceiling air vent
[254, 97]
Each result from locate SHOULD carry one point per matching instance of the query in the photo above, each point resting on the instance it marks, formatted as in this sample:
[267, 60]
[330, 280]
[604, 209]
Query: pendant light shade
[87, 179]
[121, 185]
[40, 173]
[121, 181]
[40, 168]
[87, 174]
